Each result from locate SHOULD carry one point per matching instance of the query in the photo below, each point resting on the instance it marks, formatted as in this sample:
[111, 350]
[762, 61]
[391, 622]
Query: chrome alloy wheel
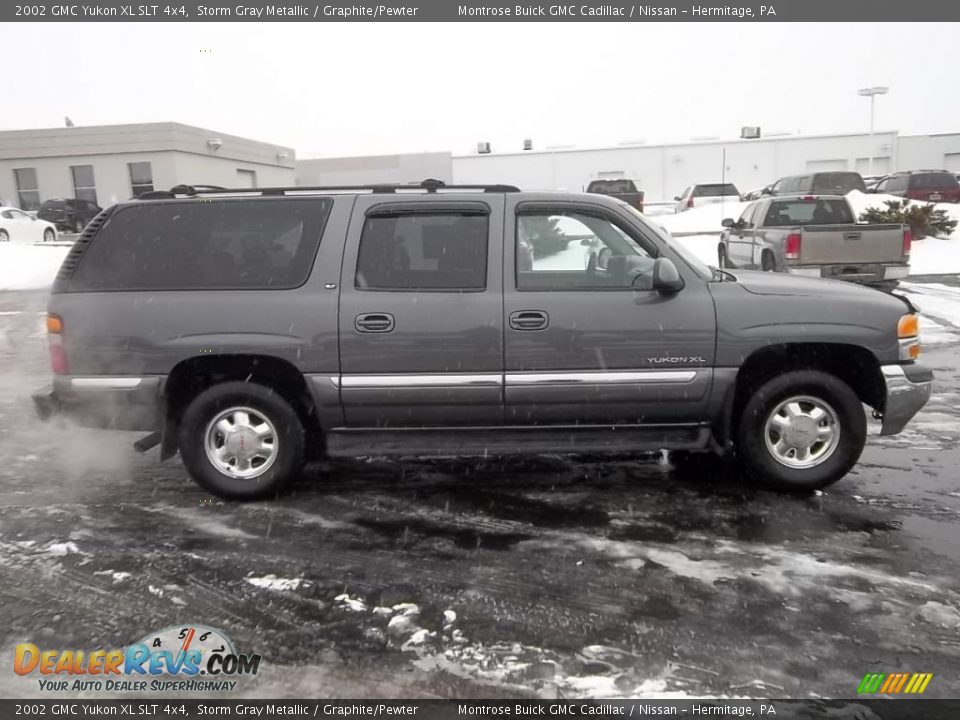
[802, 432]
[241, 443]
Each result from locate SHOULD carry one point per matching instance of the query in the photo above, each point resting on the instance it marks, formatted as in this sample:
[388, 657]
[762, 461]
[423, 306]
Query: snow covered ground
[23, 267]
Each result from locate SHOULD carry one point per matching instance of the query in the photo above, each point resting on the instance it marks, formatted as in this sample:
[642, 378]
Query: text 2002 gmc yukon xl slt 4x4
[251, 330]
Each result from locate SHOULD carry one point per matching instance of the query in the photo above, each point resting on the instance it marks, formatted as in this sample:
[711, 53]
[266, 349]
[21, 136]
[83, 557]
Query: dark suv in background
[929, 185]
[821, 183]
[68, 215]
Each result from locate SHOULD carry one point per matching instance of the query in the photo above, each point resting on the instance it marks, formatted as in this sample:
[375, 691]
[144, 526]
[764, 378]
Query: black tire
[4, 236]
[289, 439]
[78, 226]
[49, 235]
[761, 463]
[722, 259]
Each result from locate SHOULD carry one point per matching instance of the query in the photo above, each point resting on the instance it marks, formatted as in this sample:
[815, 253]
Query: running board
[519, 440]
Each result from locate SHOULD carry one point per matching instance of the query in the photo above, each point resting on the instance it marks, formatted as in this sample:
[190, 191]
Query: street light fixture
[872, 92]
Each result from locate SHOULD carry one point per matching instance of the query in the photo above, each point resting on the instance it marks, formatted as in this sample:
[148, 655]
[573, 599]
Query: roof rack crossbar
[428, 186]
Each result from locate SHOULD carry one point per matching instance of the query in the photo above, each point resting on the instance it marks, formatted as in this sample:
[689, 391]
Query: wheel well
[854, 365]
[192, 376]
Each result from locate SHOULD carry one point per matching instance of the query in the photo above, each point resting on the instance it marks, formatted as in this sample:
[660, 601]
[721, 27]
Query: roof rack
[427, 186]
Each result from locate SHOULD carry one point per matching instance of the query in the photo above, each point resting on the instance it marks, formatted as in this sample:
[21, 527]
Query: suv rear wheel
[241, 441]
[802, 430]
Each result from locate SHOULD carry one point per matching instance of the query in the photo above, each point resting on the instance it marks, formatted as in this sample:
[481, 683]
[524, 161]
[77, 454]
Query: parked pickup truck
[251, 330]
[625, 190]
[815, 235]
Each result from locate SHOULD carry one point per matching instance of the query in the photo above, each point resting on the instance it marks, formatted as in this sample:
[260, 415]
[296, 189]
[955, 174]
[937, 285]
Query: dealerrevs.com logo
[175, 659]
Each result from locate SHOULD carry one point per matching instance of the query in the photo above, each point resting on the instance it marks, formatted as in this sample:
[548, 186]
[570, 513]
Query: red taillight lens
[58, 356]
[792, 250]
[690, 202]
[907, 241]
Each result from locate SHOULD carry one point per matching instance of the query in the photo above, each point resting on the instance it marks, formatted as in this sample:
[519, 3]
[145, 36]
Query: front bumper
[116, 403]
[908, 389]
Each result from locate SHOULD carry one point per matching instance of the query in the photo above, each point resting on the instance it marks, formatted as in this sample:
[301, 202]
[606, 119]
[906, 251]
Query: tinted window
[205, 245]
[423, 251]
[808, 212]
[717, 190]
[933, 181]
[55, 205]
[574, 251]
[837, 183]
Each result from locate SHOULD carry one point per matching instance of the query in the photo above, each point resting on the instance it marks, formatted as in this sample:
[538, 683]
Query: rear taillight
[58, 355]
[792, 250]
[690, 203]
[907, 241]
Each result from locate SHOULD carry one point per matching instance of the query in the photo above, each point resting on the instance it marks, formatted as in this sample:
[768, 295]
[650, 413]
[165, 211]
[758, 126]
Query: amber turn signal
[54, 324]
[909, 326]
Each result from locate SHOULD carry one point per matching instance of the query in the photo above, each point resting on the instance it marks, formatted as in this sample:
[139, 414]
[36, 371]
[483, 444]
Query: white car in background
[19, 227]
[706, 194]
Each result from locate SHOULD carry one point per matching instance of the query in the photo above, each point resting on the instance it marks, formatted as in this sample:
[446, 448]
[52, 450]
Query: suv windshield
[933, 181]
[661, 232]
[718, 190]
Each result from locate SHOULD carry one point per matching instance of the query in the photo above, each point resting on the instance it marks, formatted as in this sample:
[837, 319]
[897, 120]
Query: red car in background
[927, 185]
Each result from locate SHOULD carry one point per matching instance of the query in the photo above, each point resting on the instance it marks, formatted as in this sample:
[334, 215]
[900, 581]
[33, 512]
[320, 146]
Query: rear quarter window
[205, 245]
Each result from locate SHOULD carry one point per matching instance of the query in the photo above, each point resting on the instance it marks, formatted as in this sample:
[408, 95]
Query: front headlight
[908, 336]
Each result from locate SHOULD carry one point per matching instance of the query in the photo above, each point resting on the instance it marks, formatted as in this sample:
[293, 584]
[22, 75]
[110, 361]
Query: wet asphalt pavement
[550, 576]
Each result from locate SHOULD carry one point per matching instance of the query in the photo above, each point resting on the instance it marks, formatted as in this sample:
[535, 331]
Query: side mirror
[603, 257]
[767, 191]
[677, 198]
[728, 222]
[664, 279]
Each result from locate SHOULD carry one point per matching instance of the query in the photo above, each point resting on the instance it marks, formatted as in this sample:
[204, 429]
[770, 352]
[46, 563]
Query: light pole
[872, 92]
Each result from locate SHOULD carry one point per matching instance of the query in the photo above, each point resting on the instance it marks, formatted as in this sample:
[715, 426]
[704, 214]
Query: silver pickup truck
[817, 236]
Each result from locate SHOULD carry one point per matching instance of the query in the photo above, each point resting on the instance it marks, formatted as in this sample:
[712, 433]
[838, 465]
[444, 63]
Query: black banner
[494, 11]
[146, 709]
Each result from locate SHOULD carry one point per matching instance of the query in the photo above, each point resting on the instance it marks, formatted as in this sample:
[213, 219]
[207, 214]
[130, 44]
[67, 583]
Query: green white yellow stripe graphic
[894, 683]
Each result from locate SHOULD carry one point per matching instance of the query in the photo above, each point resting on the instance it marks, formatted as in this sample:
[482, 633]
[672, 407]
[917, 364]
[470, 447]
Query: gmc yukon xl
[254, 330]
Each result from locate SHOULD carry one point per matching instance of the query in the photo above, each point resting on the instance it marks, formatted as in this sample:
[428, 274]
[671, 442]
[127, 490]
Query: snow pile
[23, 267]
[272, 582]
[703, 219]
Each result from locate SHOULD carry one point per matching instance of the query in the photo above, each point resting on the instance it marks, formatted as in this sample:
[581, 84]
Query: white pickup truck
[817, 236]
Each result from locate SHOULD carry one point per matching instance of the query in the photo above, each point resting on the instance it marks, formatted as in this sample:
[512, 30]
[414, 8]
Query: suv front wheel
[241, 441]
[802, 430]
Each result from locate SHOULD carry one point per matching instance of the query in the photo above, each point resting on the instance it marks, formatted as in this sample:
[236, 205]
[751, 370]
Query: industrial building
[111, 163]
[662, 171]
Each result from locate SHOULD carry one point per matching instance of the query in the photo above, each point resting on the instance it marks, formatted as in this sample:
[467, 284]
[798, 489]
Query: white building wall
[664, 171]
[932, 151]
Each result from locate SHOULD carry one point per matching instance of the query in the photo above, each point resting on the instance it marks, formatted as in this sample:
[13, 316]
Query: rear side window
[808, 212]
[55, 205]
[837, 183]
[443, 250]
[205, 245]
[717, 190]
[933, 181]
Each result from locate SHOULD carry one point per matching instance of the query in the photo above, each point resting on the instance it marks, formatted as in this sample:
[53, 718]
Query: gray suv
[254, 330]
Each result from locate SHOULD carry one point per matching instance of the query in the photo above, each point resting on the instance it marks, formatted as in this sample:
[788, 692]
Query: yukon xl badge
[683, 360]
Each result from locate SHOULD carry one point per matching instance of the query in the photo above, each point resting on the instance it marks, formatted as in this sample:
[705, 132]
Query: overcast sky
[360, 89]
